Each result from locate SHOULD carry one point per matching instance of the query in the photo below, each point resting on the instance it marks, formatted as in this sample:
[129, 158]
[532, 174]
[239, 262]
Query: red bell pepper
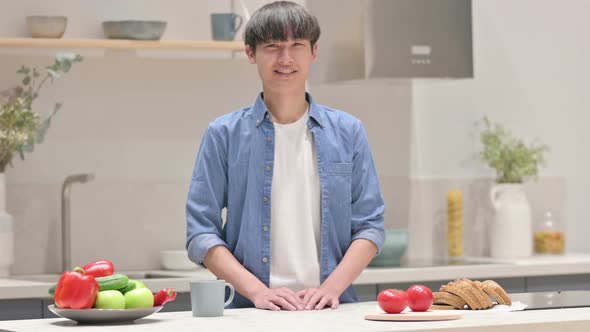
[101, 268]
[163, 296]
[76, 290]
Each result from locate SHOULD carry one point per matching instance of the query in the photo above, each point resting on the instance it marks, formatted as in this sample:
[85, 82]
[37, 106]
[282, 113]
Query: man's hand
[318, 298]
[276, 298]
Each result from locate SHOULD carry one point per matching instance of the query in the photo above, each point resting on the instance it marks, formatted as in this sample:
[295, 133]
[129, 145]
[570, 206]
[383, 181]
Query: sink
[131, 274]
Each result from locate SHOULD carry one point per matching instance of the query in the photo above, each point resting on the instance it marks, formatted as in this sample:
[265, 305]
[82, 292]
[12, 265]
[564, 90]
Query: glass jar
[549, 236]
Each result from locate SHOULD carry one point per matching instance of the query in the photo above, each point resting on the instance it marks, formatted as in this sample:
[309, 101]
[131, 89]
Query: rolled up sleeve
[207, 196]
[368, 208]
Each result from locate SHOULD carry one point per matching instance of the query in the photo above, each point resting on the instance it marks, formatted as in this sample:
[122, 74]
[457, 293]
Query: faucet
[66, 250]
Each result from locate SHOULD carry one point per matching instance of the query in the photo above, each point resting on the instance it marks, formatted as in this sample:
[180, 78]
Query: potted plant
[514, 162]
[20, 129]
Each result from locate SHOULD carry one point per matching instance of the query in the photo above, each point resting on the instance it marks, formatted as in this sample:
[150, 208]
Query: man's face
[283, 65]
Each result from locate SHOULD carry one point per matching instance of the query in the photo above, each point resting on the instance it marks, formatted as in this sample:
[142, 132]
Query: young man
[304, 208]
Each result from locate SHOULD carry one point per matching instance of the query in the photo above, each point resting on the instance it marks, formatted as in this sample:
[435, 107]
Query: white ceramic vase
[6, 232]
[511, 234]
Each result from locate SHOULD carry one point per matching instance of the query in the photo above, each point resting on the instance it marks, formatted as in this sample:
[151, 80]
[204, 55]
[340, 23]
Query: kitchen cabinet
[45, 312]
[182, 303]
[366, 292]
[557, 283]
[20, 309]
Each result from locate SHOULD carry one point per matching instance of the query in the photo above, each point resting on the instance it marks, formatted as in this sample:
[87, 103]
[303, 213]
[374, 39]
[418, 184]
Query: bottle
[455, 225]
[549, 237]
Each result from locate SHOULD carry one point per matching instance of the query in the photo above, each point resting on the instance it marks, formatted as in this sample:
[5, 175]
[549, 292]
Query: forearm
[357, 257]
[224, 265]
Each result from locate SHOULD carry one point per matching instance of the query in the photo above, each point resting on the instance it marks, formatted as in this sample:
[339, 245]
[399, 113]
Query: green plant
[512, 159]
[20, 127]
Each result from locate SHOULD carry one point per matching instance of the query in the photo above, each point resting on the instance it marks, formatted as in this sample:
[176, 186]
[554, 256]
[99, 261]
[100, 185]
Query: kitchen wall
[532, 75]
[135, 121]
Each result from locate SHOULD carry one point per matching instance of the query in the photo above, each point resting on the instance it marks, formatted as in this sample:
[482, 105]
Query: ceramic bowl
[394, 247]
[176, 260]
[47, 26]
[137, 30]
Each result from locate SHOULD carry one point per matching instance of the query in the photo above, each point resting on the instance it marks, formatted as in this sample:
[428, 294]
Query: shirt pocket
[339, 184]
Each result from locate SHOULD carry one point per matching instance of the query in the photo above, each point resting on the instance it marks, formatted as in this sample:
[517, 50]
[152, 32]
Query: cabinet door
[20, 309]
[366, 293]
[557, 283]
[181, 303]
[46, 313]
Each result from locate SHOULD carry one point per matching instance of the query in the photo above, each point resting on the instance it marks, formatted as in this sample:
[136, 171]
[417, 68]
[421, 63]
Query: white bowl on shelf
[134, 29]
[46, 26]
[176, 260]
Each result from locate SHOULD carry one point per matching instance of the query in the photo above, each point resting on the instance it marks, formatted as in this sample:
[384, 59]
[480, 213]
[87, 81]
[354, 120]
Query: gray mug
[207, 297]
[225, 25]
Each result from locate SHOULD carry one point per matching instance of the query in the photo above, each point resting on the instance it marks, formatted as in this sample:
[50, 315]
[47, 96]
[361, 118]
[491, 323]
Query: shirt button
[267, 168]
[264, 259]
[257, 121]
[265, 228]
[265, 199]
[268, 139]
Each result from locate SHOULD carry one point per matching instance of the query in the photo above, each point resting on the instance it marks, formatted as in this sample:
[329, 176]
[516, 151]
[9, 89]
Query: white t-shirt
[295, 208]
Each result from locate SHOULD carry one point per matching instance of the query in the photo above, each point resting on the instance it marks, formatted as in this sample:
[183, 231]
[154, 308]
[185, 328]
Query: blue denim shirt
[230, 171]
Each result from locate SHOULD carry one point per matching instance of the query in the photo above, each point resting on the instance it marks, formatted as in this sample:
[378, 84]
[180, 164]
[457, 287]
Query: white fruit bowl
[176, 260]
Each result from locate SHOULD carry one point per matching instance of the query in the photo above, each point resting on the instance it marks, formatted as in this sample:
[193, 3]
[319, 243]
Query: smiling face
[283, 65]
[281, 39]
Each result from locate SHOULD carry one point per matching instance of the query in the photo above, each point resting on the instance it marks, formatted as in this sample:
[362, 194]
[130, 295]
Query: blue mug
[225, 25]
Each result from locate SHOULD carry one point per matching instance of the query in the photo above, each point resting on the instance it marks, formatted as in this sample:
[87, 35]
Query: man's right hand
[276, 298]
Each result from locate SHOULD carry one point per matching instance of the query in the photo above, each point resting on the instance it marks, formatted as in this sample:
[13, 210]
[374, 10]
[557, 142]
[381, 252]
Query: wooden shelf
[205, 45]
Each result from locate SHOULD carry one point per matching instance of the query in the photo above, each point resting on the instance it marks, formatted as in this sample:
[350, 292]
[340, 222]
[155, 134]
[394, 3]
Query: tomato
[419, 297]
[392, 301]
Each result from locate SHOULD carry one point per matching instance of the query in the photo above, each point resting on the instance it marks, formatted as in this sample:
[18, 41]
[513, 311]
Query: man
[304, 208]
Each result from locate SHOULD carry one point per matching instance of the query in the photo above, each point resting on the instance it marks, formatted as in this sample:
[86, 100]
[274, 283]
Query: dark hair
[279, 21]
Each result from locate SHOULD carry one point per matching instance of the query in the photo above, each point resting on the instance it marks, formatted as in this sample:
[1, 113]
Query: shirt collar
[260, 110]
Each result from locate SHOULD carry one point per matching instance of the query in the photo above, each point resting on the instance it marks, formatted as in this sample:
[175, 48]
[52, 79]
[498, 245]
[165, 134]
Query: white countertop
[546, 265]
[348, 317]
[534, 266]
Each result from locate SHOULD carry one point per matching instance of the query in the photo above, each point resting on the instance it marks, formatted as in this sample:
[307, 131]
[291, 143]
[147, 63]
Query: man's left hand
[318, 298]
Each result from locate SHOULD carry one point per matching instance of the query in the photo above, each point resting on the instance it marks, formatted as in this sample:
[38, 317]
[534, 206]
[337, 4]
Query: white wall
[531, 74]
[136, 123]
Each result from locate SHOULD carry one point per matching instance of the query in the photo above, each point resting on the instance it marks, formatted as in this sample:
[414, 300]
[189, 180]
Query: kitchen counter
[348, 317]
[546, 265]
[18, 287]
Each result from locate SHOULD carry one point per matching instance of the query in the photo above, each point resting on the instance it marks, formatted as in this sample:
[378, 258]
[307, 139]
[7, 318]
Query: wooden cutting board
[415, 316]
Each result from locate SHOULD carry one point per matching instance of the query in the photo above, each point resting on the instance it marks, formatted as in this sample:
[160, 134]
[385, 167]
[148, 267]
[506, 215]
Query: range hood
[383, 39]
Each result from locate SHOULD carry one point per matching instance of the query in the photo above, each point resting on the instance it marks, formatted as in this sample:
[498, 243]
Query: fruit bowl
[103, 316]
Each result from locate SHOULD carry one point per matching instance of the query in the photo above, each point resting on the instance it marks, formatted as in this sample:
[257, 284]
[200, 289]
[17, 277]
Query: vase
[6, 232]
[511, 234]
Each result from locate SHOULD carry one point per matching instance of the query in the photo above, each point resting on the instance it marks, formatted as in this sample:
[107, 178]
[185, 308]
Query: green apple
[110, 299]
[139, 298]
[138, 284]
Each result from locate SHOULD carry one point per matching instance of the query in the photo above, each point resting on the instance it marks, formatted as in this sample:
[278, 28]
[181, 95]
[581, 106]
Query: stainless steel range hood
[381, 39]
